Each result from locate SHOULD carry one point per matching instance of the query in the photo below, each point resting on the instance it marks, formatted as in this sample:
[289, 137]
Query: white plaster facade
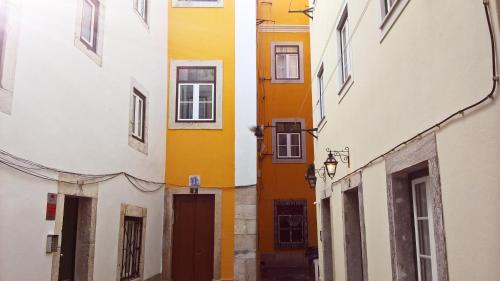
[71, 113]
[434, 60]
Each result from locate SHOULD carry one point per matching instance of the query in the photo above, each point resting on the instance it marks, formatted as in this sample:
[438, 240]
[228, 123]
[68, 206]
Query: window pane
[285, 236]
[186, 111]
[282, 151]
[287, 49]
[425, 269]
[295, 139]
[284, 222]
[186, 93]
[282, 140]
[423, 239]
[421, 200]
[297, 235]
[293, 66]
[196, 74]
[295, 151]
[205, 93]
[280, 66]
[205, 110]
[88, 15]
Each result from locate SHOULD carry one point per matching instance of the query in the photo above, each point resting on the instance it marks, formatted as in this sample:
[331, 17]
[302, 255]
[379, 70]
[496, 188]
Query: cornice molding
[292, 28]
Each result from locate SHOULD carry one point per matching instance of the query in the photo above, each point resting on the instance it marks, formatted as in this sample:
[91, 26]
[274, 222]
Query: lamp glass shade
[331, 165]
[311, 176]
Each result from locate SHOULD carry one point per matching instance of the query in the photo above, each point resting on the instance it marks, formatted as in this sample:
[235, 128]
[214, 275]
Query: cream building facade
[82, 90]
[411, 205]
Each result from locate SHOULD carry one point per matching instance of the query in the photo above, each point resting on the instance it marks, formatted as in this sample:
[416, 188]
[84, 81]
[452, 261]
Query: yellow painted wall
[206, 34]
[282, 181]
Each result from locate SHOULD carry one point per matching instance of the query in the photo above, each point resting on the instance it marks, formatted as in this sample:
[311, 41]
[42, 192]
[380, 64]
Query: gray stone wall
[245, 234]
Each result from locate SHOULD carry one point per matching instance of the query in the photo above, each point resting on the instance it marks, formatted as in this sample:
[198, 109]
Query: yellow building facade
[211, 105]
[286, 212]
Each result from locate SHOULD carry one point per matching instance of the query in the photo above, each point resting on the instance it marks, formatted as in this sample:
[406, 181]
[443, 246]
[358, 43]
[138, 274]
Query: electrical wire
[459, 112]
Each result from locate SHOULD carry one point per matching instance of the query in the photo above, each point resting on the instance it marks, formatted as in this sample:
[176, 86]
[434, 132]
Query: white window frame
[430, 222]
[288, 146]
[288, 63]
[302, 140]
[300, 79]
[95, 12]
[139, 112]
[196, 101]
[173, 123]
[344, 48]
[143, 12]
[197, 4]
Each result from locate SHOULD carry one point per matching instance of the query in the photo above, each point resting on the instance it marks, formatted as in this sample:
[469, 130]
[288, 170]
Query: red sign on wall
[51, 206]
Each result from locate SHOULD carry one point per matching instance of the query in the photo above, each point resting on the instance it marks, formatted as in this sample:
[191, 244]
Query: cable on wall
[459, 112]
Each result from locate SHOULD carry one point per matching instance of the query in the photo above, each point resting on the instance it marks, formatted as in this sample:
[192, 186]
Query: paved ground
[286, 274]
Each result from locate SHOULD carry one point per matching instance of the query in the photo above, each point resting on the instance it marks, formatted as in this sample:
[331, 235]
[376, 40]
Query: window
[139, 114]
[196, 94]
[141, 7]
[89, 23]
[198, 3]
[321, 89]
[290, 224]
[287, 62]
[289, 143]
[10, 12]
[344, 54]
[132, 243]
[388, 4]
[422, 215]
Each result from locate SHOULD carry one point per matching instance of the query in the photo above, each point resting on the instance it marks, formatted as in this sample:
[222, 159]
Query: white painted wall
[246, 93]
[71, 114]
[431, 63]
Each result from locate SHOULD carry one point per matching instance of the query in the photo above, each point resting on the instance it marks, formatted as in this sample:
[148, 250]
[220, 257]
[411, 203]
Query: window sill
[345, 88]
[5, 101]
[321, 124]
[188, 4]
[390, 19]
[290, 81]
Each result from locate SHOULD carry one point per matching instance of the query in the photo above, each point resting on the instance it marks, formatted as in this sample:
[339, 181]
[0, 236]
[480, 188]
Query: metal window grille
[290, 223]
[131, 253]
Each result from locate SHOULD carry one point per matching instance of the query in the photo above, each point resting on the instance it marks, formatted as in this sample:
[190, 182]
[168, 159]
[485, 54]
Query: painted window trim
[173, 123]
[300, 80]
[302, 137]
[197, 4]
[289, 146]
[138, 212]
[141, 101]
[134, 141]
[390, 18]
[93, 52]
[8, 59]
[321, 90]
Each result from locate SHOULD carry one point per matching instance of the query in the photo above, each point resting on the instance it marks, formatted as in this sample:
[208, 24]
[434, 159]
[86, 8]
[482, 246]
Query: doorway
[193, 237]
[326, 237]
[77, 236]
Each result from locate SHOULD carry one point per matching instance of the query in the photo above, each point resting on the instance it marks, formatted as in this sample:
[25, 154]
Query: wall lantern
[311, 176]
[331, 163]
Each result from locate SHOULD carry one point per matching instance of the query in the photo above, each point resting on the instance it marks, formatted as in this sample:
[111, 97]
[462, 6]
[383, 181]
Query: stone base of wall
[245, 234]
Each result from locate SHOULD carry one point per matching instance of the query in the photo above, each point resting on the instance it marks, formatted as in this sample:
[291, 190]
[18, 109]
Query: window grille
[132, 247]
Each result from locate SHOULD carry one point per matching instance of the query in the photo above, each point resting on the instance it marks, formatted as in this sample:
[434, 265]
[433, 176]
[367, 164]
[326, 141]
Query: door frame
[89, 192]
[168, 228]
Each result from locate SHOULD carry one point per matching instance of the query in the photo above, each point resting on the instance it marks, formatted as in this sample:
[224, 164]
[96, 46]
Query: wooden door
[193, 238]
[68, 242]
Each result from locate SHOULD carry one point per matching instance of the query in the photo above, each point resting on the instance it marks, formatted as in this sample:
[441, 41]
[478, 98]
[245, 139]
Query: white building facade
[419, 200]
[82, 90]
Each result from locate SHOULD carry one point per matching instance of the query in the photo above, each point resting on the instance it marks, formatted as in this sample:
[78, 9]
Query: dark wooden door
[193, 238]
[68, 242]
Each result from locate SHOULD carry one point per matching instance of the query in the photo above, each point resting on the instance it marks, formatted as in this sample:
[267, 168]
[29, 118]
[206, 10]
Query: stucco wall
[70, 113]
[430, 64]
